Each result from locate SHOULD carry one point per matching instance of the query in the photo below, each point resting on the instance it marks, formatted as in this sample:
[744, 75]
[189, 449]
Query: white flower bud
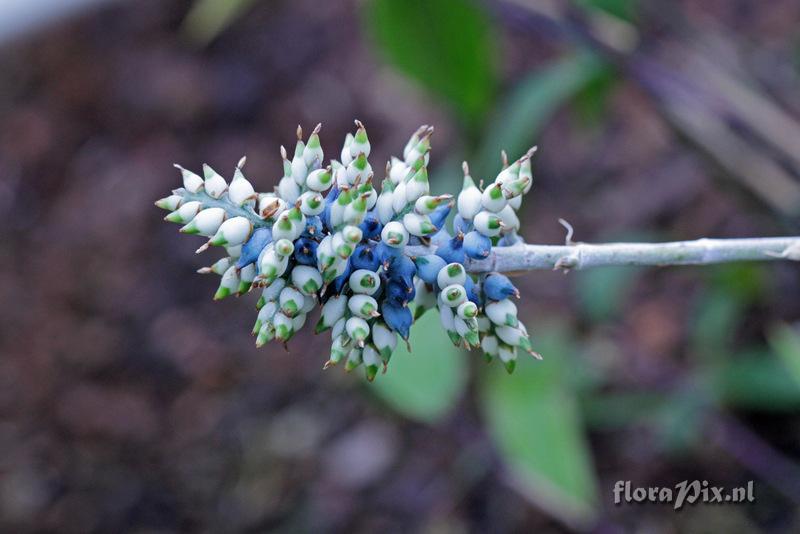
[170, 203]
[288, 190]
[283, 327]
[360, 144]
[299, 171]
[341, 247]
[394, 234]
[320, 180]
[466, 328]
[490, 346]
[383, 205]
[468, 310]
[284, 247]
[232, 232]
[398, 171]
[399, 201]
[291, 301]
[240, 190]
[385, 340]
[510, 335]
[364, 281]
[358, 170]
[447, 319]
[363, 306]
[357, 329]
[215, 185]
[352, 234]
[487, 223]
[353, 359]
[265, 315]
[311, 203]
[502, 312]
[307, 279]
[508, 355]
[298, 321]
[272, 291]
[469, 199]
[372, 359]
[309, 303]
[246, 277]
[191, 181]
[417, 185]
[484, 324]
[418, 225]
[515, 202]
[284, 228]
[265, 334]
[332, 311]
[234, 252]
[509, 219]
[185, 213]
[493, 198]
[312, 153]
[452, 273]
[339, 173]
[206, 223]
[453, 295]
[228, 284]
[218, 267]
[270, 205]
[345, 155]
[271, 265]
[339, 327]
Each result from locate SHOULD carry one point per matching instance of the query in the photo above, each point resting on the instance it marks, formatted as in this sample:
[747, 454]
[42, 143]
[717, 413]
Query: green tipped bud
[320, 180]
[363, 306]
[385, 340]
[345, 155]
[453, 295]
[508, 355]
[360, 143]
[170, 203]
[228, 284]
[232, 232]
[312, 153]
[427, 204]
[265, 334]
[395, 234]
[291, 301]
[467, 310]
[452, 273]
[206, 223]
[493, 198]
[246, 277]
[359, 169]
[364, 282]
[214, 184]
[418, 225]
[185, 213]
[487, 223]
[502, 313]
[284, 329]
[307, 279]
[470, 199]
[353, 359]
[218, 267]
[191, 181]
[332, 311]
[357, 329]
[490, 346]
[418, 185]
[352, 234]
[338, 351]
[311, 203]
[284, 247]
[515, 188]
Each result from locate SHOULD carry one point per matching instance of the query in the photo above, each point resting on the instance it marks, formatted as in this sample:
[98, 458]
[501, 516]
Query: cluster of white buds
[325, 237]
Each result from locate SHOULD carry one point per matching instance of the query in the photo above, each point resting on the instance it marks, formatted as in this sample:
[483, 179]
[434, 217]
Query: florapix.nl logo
[685, 492]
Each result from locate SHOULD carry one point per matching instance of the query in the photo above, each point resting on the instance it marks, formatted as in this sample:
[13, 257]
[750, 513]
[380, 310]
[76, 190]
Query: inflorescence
[326, 237]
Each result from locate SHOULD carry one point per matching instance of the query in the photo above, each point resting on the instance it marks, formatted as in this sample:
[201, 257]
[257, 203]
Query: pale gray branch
[583, 255]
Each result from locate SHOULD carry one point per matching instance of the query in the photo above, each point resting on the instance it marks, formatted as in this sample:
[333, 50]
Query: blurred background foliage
[655, 121]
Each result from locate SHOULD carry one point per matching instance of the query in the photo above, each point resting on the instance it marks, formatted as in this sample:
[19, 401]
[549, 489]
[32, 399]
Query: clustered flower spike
[326, 237]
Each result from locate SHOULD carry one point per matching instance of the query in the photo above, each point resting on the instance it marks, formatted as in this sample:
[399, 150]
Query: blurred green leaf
[530, 104]
[209, 18]
[616, 410]
[532, 416]
[755, 380]
[446, 45]
[785, 341]
[602, 291]
[426, 384]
